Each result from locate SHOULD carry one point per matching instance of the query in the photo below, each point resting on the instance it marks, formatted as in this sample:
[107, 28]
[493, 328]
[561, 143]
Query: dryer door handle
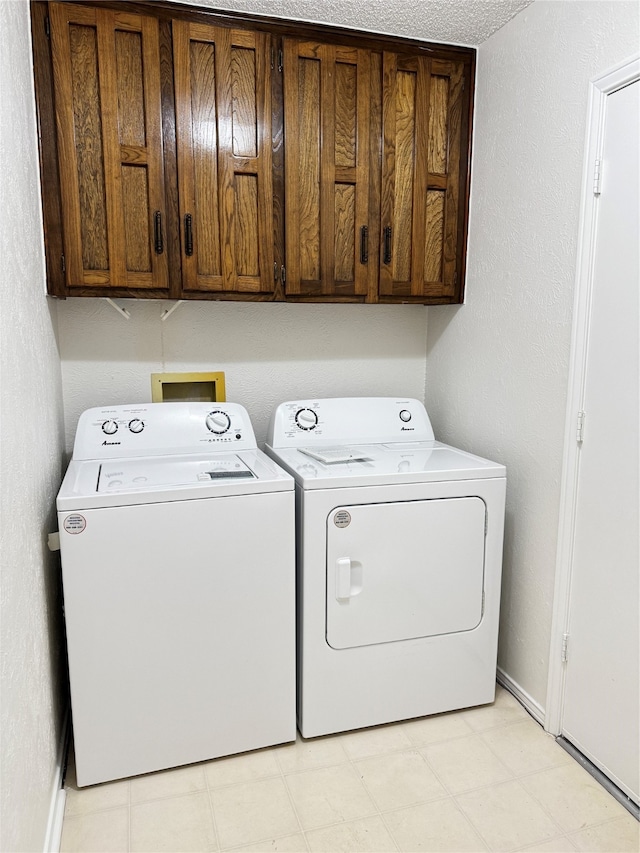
[348, 578]
[343, 579]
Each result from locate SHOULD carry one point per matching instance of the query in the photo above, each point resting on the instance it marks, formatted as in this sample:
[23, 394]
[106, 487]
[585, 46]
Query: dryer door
[399, 571]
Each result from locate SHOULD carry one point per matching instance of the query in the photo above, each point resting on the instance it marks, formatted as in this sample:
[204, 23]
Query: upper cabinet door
[223, 125]
[421, 223]
[106, 70]
[327, 108]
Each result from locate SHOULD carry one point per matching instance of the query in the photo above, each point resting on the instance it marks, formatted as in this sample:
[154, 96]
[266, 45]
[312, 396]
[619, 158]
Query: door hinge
[580, 428]
[280, 60]
[63, 263]
[47, 27]
[564, 653]
[597, 177]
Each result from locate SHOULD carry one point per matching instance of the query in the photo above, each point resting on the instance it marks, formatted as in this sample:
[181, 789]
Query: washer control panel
[363, 420]
[157, 429]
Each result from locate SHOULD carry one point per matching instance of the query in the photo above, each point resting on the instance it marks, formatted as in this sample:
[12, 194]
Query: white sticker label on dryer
[75, 523]
[342, 518]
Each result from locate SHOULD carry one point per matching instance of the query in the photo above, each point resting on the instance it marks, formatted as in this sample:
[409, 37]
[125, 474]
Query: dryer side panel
[404, 570]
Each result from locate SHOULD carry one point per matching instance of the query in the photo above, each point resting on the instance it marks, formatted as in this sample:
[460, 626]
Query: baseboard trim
[534, 708]
[624, 800]
[58, 793]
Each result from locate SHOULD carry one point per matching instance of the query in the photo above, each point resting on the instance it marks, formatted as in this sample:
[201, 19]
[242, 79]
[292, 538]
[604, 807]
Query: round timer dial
[306, 419]
[110, 427]
[218, 422]
[405, 416]
[136, 425]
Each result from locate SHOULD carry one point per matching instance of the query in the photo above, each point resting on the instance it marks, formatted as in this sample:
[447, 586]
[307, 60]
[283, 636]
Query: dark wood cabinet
[206, 155]
[328, 175]
[106, 73]
[421, 169]
[223, 110]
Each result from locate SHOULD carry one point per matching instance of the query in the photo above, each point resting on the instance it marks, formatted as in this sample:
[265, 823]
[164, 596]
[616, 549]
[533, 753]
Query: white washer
[399, 563]
[177, 541]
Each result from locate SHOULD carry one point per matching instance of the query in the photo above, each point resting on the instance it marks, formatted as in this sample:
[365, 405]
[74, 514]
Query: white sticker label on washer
[342, 518]
[75, 523]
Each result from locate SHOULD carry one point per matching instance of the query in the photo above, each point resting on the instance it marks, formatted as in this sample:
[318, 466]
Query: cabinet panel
[303, 174]
[223, 98]
[107, 87]
[129, 77]
[87, 131]
[327, 95]
[434, 235]
[421, 230]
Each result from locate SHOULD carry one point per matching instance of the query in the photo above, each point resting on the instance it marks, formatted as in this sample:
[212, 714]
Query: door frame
[600, 88]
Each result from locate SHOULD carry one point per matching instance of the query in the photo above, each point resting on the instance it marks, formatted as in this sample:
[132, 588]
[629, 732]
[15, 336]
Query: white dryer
[177, 541]
[399, 563]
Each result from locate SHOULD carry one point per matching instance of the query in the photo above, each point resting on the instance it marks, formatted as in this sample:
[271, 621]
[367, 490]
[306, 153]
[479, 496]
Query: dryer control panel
[344, 420]
[157, 429]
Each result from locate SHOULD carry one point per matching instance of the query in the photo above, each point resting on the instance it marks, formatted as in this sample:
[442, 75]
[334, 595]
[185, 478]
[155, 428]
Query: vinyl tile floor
[486, 778]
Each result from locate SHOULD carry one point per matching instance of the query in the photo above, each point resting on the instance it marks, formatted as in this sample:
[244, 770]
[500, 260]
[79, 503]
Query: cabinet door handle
[364, 244]
[387, 245]
[157, 232]
[188, 234]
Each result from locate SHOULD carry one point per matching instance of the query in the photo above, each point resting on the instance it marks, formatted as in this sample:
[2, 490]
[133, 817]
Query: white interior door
[600, 712]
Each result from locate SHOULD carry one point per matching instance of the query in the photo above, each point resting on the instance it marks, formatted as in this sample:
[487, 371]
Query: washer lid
[123, 482]
[383, 464]
[128, 474]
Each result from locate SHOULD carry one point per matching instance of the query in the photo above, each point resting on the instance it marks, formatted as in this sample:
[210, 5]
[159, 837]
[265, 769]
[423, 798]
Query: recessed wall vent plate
[187, 387]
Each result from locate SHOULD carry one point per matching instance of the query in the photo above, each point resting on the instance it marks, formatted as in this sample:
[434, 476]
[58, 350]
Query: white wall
[497, 369]
[30, 465]
[269, 352]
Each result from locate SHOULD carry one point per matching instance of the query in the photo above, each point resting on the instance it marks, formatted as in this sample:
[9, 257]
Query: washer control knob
[218, 422]
[405, 416]
[136, 425]
[306, 419]
[110, 427]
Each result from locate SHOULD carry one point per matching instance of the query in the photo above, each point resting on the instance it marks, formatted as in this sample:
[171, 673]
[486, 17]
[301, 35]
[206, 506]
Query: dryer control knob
[136, 425]
[110, 427]
[405, 416]
[218, 422]
[306, 419]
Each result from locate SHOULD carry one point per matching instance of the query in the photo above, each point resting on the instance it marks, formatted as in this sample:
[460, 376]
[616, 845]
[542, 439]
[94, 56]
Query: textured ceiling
[467, 22]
